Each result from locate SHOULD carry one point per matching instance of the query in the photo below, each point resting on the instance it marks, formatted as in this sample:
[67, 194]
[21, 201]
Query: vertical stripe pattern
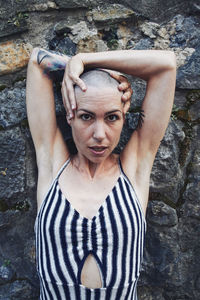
[115, 237]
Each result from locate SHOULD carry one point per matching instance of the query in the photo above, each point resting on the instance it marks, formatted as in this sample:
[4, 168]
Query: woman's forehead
[94, 95]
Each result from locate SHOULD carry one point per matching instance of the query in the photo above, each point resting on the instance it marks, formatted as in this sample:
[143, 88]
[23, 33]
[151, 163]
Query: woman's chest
[87, 197]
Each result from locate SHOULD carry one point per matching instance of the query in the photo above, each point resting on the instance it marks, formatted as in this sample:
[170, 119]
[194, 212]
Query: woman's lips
[98, 150]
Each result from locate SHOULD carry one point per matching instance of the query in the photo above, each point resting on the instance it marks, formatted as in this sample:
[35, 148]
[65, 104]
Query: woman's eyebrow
[85, 110]
[113, 111]
[107, 113]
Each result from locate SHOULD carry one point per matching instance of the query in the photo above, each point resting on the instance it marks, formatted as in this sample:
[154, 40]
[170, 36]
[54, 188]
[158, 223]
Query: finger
[65, 100]
[63, 92]
[124, 83]
[80, 83]
[114, 75]
[126, 106]
[71, 91]
[127, 94]
[72, 102]
[71, 98]
[123, 86]
[118, 76]
[67, 86]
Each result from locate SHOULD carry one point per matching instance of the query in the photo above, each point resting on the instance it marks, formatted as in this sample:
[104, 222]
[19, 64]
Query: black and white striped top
[114, 236]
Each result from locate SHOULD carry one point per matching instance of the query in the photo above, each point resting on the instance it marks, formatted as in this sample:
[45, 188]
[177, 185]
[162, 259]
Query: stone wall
[171, 267]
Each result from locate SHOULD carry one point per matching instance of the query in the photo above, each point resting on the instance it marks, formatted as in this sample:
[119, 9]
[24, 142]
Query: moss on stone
[112, 44]
[183, 115]
[184, 147]
[1, 128]
[6, 262]
[22, 206]
[18, 19]
[193, 96]
[3, 205]
[110, 36]
[3, 87]
[24, 123]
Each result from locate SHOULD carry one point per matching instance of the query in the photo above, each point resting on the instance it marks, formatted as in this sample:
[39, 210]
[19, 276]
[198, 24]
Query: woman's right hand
[73, 70]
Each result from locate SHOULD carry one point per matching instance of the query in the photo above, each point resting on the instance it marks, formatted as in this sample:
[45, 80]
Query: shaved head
[99, 79]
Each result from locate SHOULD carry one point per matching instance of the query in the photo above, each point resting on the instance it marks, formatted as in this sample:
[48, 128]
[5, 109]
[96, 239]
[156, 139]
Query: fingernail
[73, 106]
[83, 89]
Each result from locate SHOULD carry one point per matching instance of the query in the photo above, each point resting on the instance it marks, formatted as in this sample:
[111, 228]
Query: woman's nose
[99, 131]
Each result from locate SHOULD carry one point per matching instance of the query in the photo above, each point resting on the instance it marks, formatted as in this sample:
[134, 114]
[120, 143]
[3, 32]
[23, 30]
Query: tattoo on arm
[53, 66]
[41, 55]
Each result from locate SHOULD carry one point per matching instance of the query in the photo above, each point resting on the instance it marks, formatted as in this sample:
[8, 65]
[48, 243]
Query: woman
[91, 222]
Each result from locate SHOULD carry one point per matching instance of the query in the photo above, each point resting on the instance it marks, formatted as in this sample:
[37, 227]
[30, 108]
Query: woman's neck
[93, 169]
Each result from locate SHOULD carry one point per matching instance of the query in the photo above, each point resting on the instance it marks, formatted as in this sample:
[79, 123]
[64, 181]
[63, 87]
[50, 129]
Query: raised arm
[46, 136]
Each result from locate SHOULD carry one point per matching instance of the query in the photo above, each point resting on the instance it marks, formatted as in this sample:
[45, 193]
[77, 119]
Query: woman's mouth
[98, 150]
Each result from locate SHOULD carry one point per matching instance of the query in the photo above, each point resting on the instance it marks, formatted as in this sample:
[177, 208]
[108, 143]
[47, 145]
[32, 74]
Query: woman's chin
[94, 157]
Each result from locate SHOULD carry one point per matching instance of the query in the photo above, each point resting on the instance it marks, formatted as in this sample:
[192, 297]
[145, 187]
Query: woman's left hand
[124, 86]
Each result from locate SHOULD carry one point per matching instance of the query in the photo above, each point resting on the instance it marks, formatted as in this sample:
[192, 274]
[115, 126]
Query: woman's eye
[112, 118]
[86, 117]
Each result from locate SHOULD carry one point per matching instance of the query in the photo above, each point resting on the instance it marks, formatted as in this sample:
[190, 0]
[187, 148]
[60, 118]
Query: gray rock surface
[188, 76]
[160, 10]
[73, 4]
[13, 15]
[167, 176]
[12, 162]
[12, 110]
[161, 214]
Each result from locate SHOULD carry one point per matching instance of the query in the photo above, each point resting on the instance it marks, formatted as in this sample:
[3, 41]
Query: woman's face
[98, 122]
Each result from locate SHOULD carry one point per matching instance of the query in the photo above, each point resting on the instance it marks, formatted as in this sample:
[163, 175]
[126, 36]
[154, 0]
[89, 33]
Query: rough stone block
[81, 31]
[12, 163]
[180, 100]
[161, 256]
[194, 111]
[13, 56]
[161, 214]
[7, 28]
[166, 176]
[161, 10]
[73, 4]
[188, 76]
[64, 27]
[13, 107]
[150, 293]
[112, 14]
[65, 46]
[17, 243]
[187, 32]
[19, 289]
[6, 272]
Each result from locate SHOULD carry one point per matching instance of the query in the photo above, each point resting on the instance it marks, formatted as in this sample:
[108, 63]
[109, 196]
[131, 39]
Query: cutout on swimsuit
[90, 273]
